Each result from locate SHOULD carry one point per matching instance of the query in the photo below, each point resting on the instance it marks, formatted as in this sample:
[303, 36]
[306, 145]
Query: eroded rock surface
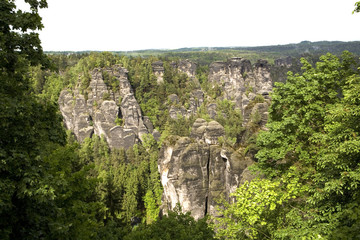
[114, 114]
[185, 66]
[196, 170]
[158, 70]
[241, 82]
[285, 62]
[196, 99]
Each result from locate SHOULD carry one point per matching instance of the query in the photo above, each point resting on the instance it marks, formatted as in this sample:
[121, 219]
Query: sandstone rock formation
[185, 66]
[158, 70]
[241, 81]
[196, 99]
[196, 170]
[103, 107]
[285, 62]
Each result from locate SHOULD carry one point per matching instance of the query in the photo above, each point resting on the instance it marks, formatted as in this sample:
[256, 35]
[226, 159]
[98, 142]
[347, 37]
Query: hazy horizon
[119, 25]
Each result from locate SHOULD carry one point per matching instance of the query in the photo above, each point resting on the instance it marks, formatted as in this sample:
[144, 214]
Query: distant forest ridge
[206, 55]
[335, 47]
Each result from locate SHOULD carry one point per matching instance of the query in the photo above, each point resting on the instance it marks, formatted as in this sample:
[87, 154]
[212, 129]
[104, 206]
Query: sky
[125, 25]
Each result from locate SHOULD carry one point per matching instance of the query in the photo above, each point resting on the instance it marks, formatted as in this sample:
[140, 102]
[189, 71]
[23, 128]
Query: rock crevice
[193, 172]
[116, 115]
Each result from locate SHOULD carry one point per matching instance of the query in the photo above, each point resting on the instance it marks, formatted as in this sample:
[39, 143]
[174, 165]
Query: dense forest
[307, 158]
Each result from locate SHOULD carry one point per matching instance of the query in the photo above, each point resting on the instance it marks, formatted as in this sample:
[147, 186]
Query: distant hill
[335, 47]
[207, 55]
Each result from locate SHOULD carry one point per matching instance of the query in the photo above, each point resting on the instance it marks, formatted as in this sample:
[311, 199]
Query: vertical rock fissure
[206, 206]
[120, 115]
[208, 187]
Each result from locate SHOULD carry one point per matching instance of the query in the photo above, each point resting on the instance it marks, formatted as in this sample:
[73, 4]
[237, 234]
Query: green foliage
[53, 85]
[152, 198]
[231, 119]
[53, 188]
[258, 99]
[180, 126]
[202, 73]
[30, 129]
[357, 7]
[75, 211]
[309, 157]
[215, 91]
[119, 121]
[18, 35]
[203, 112]
[81, 71]
[128, 181]
[111, 81]
[176, 225]
[298, 110]
[106, 96]
[258, 208]
[304, 120]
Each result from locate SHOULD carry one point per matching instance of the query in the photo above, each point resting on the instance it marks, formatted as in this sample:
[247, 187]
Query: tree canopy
[309, 158]
[53, 187]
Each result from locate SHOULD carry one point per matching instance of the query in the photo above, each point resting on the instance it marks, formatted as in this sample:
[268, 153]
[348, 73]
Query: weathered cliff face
[195, 101]
[115, 115]
[285, 62]
[196, 97]
[186, 66]
[158, 70]
[196, 170]
[241, 82]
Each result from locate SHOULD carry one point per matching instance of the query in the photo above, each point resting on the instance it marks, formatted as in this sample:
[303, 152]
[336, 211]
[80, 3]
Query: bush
[176, 225]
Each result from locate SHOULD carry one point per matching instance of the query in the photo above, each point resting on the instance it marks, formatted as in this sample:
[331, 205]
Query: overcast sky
[123, 25]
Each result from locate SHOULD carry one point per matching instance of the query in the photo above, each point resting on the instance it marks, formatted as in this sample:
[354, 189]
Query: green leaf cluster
[231, 119]
[174, 226]
[309, 159]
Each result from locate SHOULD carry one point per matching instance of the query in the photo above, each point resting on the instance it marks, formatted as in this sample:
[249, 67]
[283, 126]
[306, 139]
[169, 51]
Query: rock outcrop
[116, 115]
[241, 82]
[158, 70]
[284, 62]
[196, 99]
[186, 66]
[196, 170]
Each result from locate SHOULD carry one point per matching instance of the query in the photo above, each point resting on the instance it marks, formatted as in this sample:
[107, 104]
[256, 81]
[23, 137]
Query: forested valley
[299, 142]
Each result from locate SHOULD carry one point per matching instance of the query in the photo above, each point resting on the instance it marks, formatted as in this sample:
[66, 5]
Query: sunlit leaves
[313, 136]
[258, 207]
